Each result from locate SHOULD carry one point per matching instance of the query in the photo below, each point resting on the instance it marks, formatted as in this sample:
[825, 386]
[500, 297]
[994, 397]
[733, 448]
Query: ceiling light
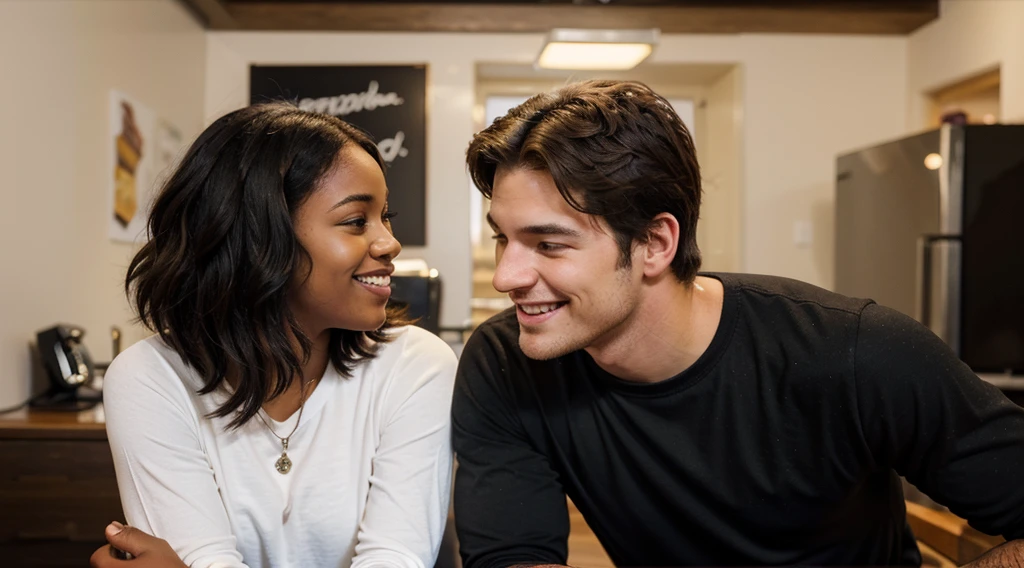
[596, 49]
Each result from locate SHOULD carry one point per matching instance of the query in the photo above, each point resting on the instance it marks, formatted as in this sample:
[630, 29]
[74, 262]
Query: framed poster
[145, 147]
[388, 102]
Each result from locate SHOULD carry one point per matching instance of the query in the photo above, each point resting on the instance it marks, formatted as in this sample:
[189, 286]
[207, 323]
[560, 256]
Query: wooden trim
[948, 534]
[844, 18]
[967, 88]
[961, 91]
[211, 13]
[53, 433]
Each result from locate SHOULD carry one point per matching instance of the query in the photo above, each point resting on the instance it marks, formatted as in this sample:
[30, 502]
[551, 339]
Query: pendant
[283, 464]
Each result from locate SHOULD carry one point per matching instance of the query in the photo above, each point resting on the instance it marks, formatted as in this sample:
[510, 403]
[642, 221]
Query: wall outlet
[803, 233]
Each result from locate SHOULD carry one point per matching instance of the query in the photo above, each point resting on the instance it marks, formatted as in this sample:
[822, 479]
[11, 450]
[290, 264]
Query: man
[694, 419]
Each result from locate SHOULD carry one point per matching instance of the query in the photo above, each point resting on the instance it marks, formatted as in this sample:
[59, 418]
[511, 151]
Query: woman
[282, 416]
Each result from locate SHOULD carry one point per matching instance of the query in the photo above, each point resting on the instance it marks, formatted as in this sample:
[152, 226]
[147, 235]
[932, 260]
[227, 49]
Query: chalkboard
[388, 102]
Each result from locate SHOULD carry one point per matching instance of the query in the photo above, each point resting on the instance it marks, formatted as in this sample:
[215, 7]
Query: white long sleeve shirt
[371, 473]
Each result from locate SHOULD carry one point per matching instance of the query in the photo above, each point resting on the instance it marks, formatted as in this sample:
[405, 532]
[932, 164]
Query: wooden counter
[57, 487]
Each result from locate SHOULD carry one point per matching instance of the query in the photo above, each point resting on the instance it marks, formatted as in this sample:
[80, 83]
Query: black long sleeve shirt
[780, 445]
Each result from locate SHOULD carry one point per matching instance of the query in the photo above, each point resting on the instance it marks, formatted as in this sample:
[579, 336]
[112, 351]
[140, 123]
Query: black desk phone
[68, 367]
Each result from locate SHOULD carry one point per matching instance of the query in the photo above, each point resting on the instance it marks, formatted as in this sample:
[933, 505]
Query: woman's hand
[147, 551]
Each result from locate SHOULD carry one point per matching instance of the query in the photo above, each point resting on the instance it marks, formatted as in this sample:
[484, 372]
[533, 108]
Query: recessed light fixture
[568, 48]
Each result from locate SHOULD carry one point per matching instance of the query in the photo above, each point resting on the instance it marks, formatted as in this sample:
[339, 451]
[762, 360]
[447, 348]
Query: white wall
[970, 37]
[806, 99]
[59, 59]
[720, 152]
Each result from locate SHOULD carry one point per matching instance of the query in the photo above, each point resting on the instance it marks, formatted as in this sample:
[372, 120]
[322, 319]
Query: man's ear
[662, 243]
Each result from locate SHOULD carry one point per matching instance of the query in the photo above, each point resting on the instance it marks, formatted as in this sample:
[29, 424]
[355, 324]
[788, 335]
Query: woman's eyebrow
[359, 197]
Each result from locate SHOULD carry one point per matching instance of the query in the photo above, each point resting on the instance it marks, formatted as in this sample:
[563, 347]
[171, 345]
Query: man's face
[559, 266]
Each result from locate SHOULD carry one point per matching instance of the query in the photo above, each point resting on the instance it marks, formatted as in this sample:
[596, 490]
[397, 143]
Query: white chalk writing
[346, 104]
[391, 148]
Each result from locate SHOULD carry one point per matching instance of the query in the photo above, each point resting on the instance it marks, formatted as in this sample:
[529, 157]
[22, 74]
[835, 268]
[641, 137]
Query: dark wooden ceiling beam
[840, 18]
[211, 13]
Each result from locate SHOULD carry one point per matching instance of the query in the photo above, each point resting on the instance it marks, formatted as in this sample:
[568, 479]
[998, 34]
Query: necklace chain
[283, 464]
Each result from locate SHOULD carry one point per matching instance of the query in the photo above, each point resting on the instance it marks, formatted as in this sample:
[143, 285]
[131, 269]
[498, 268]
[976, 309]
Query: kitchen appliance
[932, 225]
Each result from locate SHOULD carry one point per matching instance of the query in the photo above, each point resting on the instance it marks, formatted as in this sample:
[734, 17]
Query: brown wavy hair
[212, 280]
[615, 149]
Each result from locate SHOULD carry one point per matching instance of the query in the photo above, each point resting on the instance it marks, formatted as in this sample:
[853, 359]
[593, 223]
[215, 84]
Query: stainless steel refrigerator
[933, 226]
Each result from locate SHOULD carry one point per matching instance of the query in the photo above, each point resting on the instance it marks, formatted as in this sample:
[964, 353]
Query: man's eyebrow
[359, 197]
[545, 229]
[550, 229]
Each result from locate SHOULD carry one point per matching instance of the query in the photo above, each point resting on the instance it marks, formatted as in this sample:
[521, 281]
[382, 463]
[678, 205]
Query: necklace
[283, 465]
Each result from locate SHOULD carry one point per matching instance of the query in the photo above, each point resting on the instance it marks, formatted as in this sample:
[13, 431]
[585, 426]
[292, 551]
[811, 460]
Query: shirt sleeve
[510, 506]
[410, 482]
[928, 416]
[166, 483]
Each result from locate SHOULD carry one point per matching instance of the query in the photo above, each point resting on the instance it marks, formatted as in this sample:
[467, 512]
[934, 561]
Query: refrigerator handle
[925, 246]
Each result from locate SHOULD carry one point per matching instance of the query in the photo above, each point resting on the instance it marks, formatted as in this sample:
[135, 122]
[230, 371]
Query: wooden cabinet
[57, 488]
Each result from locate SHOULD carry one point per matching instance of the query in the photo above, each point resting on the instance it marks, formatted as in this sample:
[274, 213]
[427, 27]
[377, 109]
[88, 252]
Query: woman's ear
[662, 243]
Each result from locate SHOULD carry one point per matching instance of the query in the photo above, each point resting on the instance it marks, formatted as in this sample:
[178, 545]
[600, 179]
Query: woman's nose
[386, 245]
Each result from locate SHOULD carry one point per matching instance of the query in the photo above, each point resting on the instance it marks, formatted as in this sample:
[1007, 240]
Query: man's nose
[514, 270]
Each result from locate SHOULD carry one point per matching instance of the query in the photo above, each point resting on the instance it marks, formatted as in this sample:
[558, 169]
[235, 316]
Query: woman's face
[344, 227]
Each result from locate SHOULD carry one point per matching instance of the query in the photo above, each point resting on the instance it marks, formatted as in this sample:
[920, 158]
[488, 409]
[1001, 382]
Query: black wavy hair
[213, 278]
[615, 149]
